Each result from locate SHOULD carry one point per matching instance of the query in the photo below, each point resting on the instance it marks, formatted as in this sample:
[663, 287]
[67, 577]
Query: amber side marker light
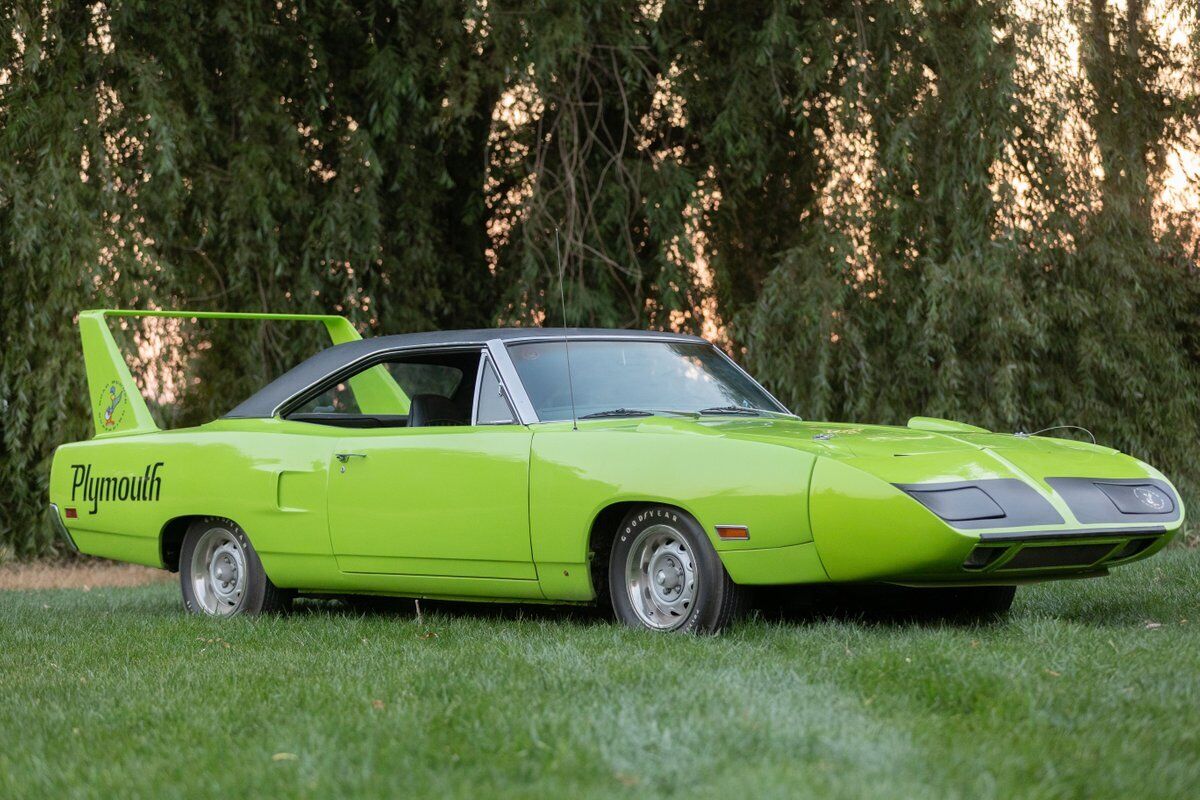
[736, 532]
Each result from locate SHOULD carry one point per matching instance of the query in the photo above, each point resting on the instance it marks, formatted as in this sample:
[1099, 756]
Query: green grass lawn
[1089, 689]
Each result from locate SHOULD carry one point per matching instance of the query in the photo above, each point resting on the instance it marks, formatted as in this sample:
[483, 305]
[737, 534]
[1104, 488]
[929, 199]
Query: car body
[520, 501]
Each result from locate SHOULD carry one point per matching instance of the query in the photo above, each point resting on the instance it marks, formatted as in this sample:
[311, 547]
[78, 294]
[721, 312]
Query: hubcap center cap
[668, 576]
[225, 570]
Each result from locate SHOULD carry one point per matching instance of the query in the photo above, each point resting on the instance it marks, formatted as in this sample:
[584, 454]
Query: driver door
[450, 499]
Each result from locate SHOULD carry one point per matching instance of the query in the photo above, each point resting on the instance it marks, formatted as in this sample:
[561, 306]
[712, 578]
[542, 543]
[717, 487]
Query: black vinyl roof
[266, 401]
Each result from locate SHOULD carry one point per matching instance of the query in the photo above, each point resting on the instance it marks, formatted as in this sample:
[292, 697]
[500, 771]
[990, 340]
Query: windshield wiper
[753, 412]
[639, 412]
[618, 412]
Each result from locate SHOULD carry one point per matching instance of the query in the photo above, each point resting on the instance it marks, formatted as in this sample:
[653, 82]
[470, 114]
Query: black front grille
[1132, 549]
[1070, 555]
[983, 556]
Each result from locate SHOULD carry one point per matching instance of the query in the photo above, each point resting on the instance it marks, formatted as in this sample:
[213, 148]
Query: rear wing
[119, 407]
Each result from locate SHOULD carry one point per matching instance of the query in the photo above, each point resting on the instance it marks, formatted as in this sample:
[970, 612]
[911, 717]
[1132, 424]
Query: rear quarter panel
[268, 476]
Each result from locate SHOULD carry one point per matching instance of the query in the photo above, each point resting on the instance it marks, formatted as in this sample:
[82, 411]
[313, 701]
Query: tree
[886, 208]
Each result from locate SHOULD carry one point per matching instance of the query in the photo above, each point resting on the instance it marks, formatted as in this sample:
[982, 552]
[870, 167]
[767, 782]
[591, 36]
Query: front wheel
[664, 575]
[221, 575]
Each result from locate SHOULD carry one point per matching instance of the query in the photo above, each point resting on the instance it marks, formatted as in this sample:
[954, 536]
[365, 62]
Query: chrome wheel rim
[219, 573]
[660, 575]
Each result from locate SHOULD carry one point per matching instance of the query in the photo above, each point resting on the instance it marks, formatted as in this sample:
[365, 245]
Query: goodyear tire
[664, 575]
[221, 575]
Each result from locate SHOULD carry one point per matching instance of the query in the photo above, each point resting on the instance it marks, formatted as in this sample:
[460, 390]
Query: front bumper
[1047, 552]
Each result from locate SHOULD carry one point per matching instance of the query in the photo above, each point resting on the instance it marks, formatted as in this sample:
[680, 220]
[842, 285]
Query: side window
[492, 406]
[337, 399]
[443, 380]
[417, 378]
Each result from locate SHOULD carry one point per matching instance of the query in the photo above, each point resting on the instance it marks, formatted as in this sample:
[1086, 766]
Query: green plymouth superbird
[642, 470]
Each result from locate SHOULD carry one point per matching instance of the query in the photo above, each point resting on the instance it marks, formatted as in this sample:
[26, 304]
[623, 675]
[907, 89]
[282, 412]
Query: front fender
[574, 475]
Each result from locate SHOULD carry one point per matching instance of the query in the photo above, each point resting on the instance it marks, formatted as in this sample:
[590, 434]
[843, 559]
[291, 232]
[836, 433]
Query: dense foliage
[885, 208]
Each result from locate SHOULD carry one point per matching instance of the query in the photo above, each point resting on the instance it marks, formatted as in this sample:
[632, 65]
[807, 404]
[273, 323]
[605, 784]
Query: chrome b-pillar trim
[61, 527]
[512, 382]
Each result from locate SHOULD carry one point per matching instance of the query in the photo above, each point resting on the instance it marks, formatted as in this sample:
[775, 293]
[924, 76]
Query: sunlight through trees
[986, 211]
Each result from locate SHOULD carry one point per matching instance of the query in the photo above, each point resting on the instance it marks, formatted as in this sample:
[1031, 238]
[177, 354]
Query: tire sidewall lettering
[654, 514]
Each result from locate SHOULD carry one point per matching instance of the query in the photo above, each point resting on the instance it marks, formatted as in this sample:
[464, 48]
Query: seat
[432, 410]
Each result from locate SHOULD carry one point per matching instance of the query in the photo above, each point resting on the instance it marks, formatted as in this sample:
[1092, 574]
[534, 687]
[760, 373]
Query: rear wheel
[221, 575]
[664, 575]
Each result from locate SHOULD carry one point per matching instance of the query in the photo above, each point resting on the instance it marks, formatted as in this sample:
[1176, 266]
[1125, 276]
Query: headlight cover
[984, 503]
[1118, 499]
[1142, 498]
[959, 505]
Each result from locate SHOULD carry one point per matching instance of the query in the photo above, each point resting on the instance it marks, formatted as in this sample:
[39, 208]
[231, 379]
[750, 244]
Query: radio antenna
[562, 296]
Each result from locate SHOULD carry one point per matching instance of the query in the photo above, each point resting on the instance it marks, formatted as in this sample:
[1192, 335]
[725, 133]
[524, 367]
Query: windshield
[627, 378]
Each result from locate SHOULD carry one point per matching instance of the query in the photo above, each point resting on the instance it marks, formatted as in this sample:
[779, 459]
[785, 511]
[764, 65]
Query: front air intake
[982, 557]
[1132, 549]
[1073, 555]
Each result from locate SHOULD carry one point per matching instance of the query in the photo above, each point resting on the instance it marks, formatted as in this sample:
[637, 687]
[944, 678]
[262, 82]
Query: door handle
[344, 457]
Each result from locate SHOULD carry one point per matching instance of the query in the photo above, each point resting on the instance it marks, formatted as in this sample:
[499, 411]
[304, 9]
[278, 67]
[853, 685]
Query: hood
[1080, 483]
[837, 439]
[1036, 480]
[902, 455]
[849, 440]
